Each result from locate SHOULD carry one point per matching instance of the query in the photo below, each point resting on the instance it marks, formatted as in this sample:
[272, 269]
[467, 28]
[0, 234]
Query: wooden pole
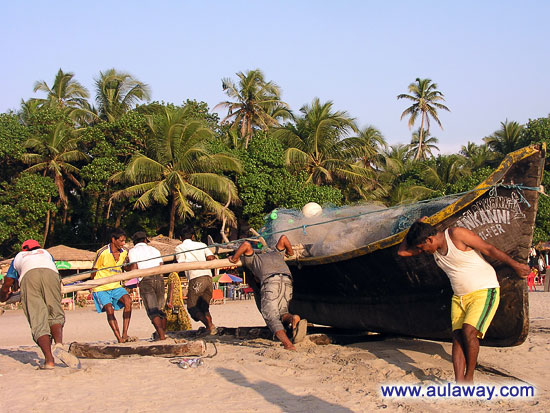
[161, 269]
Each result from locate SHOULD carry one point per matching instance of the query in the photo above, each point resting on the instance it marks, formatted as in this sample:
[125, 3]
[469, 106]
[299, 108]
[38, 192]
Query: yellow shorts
[477, 309]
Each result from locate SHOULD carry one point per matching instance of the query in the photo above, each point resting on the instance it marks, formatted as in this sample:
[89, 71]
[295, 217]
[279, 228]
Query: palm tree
[390, 189]
[423, 147]
[507, 139]
[117, 92]
[179, 169]
[367, 147]
[478, 156]
[256, 103]
[426, 100]
[65, 91]
[66, 94]
[315, 144]
[54, 155]
[445, 170]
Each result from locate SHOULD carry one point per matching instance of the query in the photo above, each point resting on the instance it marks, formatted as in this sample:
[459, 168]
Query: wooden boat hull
[374, 289]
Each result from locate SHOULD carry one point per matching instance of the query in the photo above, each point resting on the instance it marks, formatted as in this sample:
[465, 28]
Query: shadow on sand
[276, 395]
[29, 356]
[393, 351]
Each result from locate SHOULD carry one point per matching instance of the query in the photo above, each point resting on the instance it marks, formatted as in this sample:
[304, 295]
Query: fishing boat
[371, 288]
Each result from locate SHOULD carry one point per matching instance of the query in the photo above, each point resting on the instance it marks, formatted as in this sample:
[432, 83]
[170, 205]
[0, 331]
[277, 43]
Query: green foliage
[266, 184]
[542, 222]
[24, 208]
[120, 138]
[469, 181]
[537, 131]
[12, 136]
[44, 119]
[98, 172]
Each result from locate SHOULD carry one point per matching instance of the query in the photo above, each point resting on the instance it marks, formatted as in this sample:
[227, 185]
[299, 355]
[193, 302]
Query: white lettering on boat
[488, 217]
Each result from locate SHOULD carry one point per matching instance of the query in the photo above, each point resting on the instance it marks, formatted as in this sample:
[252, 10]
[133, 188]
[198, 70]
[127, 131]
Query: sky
[490, 59]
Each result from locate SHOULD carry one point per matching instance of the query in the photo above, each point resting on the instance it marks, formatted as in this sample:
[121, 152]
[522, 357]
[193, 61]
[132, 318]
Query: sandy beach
[258, 375]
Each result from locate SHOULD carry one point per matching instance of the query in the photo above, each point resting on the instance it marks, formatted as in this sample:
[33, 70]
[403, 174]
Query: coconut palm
[426, 100]
[255, 103]
[366, 147]
[478, 156]
[117, 93]
[391, 189]
[65, 91]
[507, 139]
[315, 144]
[67, 94]
[445, 170]
[423, 146]
[54, 154]
[179, 169]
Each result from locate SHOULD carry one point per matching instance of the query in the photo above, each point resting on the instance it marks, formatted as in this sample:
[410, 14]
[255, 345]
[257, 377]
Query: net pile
[338, 230]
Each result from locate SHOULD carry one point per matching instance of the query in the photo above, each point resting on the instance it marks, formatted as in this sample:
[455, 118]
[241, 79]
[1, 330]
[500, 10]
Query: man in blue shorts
[111, 260]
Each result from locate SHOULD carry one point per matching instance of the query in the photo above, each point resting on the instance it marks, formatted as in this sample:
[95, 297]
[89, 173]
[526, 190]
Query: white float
[312, 209]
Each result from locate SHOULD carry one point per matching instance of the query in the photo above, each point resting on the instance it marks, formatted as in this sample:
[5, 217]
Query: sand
[258, 375]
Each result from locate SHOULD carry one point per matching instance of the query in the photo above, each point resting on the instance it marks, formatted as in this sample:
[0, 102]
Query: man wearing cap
[112, 260]
[151, 288]
[200, 281]
[35, 271]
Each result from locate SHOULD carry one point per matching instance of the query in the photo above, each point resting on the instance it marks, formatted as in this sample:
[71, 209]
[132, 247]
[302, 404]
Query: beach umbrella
[226, 278]
[62, 265]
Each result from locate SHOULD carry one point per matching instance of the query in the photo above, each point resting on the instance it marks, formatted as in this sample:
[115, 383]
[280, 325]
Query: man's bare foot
[127, 339]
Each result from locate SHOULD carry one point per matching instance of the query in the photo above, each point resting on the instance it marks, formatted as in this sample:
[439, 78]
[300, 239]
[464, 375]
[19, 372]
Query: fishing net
[343, 229]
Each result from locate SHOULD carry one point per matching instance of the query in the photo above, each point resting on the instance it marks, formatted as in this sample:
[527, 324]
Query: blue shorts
[102, 298]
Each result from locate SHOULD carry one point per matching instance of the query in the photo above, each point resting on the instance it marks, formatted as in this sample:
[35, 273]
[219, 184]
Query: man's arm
[407, 251]
[209, 255]
[473, 241]
[5, 292]
[284, 244]
[245, 249]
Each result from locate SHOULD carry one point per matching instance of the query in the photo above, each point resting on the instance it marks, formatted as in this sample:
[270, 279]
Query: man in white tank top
[457, 251]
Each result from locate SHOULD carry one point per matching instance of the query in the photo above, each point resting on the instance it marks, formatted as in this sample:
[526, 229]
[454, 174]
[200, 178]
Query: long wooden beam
[161, 269]
[86, 275]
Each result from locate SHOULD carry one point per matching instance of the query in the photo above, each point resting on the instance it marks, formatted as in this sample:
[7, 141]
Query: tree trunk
[172, 218]
[47, 226]
[119, 216]
[417, 157]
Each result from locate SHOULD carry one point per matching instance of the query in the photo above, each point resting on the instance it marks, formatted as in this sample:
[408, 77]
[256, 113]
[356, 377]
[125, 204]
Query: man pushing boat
[272, 273]
[457, 251]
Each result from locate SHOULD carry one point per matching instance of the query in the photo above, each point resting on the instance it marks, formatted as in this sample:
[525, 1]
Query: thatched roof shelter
[166, 246]
[78, 259]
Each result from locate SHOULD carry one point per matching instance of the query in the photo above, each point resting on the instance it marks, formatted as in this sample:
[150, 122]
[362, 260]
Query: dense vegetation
[72, 168]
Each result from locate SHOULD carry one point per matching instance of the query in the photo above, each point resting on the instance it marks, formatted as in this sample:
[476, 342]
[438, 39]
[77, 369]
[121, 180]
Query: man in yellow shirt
[111, 260]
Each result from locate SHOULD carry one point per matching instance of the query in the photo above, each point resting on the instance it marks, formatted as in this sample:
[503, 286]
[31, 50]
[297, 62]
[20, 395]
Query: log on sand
[111, 351]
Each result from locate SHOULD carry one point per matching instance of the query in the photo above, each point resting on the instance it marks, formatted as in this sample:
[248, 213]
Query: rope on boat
[304, 227]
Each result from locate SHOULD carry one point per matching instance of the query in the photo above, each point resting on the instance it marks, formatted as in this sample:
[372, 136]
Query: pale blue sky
[490, 58]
